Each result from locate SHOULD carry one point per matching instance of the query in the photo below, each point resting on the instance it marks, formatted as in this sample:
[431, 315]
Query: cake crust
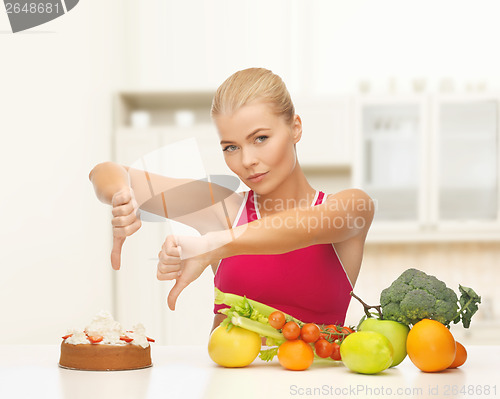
[104, 357]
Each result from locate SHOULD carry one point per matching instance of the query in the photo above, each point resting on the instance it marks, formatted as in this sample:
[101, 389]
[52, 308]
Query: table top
[31, 371]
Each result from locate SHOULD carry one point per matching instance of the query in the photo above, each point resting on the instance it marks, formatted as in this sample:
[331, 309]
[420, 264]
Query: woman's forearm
[274, 234]
[108, 178]
[339, 219]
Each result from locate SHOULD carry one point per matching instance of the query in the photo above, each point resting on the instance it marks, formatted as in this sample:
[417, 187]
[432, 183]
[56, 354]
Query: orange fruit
[460, 356]
[295, 355]
[430, 346]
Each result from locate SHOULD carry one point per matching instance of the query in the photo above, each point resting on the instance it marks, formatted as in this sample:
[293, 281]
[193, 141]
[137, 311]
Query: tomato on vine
[310, 332]
[291, 330]
[335, 352]
[331, 332]
[347, 330]
[323, 348]
[277, 320]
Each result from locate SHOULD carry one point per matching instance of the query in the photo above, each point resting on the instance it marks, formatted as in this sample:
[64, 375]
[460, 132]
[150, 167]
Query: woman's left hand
[184, 259]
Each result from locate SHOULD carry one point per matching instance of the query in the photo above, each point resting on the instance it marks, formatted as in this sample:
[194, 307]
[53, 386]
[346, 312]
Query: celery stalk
[259, 328]
[233, 299]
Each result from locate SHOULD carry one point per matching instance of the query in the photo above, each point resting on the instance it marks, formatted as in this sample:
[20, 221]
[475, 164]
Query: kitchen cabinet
[466, 159]
[431, 164]
[390, 165]
[148, 121]
[199, 44]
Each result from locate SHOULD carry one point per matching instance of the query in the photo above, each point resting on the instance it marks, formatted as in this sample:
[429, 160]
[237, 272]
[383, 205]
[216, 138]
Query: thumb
[175, 292]
[116, 252]
[172, 246]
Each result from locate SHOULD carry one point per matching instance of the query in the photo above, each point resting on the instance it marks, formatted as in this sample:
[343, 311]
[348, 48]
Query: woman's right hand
[125, 221]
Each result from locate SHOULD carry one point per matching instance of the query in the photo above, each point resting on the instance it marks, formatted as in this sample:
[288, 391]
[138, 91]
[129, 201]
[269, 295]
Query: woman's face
[258, 145]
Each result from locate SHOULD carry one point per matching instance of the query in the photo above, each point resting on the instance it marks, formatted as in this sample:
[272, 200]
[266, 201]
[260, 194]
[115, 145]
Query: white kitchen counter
[187, 372]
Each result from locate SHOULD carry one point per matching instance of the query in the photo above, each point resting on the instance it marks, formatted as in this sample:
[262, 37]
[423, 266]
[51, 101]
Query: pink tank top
[308, 283]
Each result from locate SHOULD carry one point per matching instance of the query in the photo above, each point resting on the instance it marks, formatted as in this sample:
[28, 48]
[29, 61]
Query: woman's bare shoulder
[351, 199]
[354, 204]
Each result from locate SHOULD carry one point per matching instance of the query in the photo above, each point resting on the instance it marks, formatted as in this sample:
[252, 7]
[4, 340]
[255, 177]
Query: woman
[287, 245]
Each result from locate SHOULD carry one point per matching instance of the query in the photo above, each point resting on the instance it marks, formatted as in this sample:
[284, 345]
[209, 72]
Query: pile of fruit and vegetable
[413, 318]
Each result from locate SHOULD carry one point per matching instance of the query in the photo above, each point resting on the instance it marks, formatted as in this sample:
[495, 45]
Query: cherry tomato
[291, 330]
[277, 320]
[324, 331]
[330, 332]
[323, 348]
[335, 352]
[347, 330]
[310, 332]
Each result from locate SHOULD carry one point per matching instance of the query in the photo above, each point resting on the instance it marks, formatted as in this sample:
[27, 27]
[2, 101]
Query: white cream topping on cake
[76, 337]
[103, 325]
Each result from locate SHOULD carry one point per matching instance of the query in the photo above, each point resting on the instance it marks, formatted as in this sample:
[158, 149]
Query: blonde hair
[249, 85]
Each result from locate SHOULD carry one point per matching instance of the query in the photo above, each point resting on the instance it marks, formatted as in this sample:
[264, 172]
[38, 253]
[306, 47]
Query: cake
[104, 345]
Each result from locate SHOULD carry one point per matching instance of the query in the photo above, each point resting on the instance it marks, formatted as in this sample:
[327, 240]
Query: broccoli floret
[417, 304]
[392, 312]
[415, 295]
[395, 293]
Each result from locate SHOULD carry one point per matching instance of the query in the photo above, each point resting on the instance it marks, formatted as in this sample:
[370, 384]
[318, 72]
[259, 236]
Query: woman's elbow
[102, 166]
[363, 210]
[366, 206]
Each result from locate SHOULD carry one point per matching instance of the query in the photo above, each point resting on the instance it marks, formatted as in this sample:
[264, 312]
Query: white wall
[55, 123]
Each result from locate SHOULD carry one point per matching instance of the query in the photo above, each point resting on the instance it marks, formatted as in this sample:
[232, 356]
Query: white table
[187, 372]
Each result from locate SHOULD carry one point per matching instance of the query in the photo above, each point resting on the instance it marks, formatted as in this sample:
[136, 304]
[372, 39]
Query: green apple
[366, 352]
[394, 331]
